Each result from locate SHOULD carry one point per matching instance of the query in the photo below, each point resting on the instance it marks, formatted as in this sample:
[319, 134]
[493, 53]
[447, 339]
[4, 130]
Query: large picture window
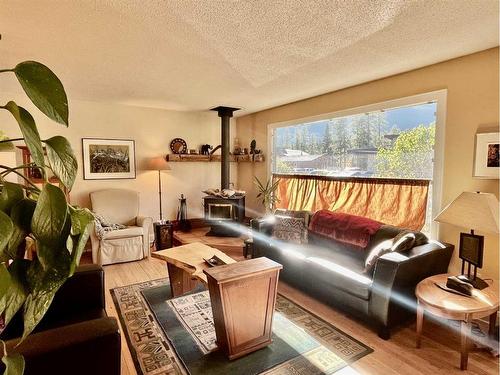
[378, 161]
[392, 143]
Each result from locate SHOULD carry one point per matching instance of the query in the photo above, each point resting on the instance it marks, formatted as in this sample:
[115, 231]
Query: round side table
[448, 305]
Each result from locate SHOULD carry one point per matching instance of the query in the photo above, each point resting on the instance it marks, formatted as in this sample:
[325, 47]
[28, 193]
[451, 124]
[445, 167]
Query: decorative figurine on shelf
[215, 149]
[237, 147]
[205, 149]
[184, 224]
[253, 144]
[253, 150]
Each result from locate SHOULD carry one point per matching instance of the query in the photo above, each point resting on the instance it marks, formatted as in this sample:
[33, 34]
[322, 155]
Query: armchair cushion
[122, 233]
[117, 205]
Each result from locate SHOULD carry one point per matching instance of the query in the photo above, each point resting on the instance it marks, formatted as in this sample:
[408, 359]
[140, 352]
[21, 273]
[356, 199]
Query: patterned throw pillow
[290, 229]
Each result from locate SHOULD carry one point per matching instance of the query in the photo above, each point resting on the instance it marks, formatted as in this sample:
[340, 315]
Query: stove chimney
[225, 113]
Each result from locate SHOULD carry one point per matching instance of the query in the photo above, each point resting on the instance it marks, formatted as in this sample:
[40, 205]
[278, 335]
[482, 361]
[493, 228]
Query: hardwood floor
[440, 346]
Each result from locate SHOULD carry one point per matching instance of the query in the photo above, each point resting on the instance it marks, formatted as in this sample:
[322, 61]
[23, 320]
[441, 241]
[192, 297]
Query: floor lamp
[158, 164]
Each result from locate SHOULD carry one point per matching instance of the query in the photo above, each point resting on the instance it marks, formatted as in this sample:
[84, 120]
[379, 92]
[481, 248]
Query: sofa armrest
[263, 225]
[146, 223]
[61, 350]
[396, 275]
[384, 276]
[262, 230]
[83, 291]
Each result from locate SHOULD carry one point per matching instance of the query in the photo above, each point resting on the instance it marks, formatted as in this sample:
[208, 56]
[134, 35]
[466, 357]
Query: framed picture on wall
[486, 162]
[107, 159]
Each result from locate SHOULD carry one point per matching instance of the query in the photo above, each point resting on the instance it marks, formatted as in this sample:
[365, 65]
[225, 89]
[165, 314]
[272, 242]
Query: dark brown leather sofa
[329, 271]
[75, 336]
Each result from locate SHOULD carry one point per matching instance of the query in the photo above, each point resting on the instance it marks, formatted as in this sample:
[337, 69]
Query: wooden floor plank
[438, 355]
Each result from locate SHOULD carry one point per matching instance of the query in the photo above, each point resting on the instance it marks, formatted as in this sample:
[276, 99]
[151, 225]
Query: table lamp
[158, 164]
[478, 211]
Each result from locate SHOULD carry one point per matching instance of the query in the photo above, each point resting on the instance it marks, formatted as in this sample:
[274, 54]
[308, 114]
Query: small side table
[448, 305]
[163, 235]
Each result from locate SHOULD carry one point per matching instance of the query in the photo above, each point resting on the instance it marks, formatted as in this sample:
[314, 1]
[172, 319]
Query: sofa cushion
[306, 215]
[290, 229]
[338, 269]
[350, 229]
[387, 232]
[375, 253]
[121, 233]
[404, 241]
[399, 244]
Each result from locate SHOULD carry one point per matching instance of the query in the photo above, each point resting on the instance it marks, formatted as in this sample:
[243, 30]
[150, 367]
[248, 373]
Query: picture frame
[108, 159]
[486, 160]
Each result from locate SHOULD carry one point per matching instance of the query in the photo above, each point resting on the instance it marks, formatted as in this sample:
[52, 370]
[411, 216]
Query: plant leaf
[29, 130]
[52, 257]
[4, 280]
[16, 294]
[43, 285]
[62, 160]
[6, 229]
[81, 224]
[14, 364]
[50, 216]
[21, 215]
[11, 194]
[259, 184]
[44, 89]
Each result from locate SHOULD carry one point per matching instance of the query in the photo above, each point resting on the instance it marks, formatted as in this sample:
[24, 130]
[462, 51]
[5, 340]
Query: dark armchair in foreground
[75, 336]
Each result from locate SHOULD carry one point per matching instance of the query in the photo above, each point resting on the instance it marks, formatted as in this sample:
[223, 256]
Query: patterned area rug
[176, 336]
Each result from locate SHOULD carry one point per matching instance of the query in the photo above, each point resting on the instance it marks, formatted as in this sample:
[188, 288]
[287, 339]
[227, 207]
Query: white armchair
[123, 245]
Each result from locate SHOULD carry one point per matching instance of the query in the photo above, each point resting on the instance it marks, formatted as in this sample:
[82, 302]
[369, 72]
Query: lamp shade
[157, 164]
[477, 211]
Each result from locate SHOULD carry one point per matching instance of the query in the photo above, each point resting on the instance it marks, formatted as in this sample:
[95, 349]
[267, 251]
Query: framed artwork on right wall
[486, 161]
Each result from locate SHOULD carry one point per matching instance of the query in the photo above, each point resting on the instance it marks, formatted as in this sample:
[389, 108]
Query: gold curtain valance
[392, 201]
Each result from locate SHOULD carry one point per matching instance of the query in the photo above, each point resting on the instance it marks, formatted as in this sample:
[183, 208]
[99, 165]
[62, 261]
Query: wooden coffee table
[186, 263]
[456, 307]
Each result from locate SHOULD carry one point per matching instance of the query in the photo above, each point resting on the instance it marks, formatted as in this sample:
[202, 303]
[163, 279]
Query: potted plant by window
[59, 230]
[267, 194]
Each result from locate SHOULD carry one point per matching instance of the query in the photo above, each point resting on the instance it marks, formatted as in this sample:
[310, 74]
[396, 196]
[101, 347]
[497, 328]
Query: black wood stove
[223, 213]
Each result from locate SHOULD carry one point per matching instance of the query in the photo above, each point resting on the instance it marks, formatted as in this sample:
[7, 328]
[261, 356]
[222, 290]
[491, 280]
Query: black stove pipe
[225, 113]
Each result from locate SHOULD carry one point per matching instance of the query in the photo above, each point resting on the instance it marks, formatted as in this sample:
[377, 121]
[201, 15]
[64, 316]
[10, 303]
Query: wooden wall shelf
[215, 158]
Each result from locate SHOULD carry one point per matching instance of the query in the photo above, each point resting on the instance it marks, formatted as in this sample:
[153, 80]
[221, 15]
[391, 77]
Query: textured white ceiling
[196, 54]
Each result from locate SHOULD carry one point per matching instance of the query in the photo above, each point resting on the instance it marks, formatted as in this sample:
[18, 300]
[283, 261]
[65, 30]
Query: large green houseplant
[59, 230]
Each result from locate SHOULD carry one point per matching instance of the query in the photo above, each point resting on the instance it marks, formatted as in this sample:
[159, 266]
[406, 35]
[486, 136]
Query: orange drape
[392, 201]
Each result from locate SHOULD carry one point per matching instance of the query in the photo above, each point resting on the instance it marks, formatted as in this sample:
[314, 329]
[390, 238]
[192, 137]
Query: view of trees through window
[394, 143]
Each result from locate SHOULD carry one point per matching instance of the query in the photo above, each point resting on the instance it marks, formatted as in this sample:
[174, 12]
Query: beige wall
[152, 130]
[473, 105]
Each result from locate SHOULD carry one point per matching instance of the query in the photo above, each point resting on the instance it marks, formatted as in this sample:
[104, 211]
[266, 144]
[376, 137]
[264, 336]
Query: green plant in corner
[267, 193]
[59, 230]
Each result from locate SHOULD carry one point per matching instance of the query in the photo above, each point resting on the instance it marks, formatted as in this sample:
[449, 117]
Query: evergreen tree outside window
[393, 143]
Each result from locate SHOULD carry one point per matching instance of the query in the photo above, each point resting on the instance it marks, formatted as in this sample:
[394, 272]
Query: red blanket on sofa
[345, 228]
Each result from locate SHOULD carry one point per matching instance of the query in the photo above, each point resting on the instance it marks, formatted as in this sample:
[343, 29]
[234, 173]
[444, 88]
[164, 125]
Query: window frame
[438, 96]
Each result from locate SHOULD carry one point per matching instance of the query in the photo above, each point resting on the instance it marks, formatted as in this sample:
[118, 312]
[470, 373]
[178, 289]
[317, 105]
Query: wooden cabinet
[243, 297]
[164, 235]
